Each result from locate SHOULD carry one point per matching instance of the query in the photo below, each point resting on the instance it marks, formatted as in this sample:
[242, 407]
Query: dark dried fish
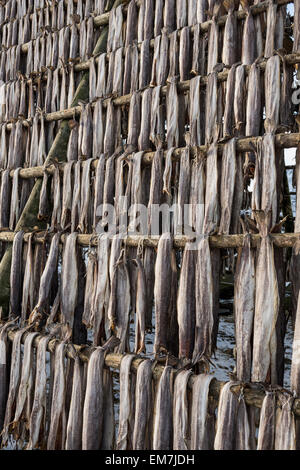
[134, 120]
[99, 188]
[75, 212]
[143, 407]
[163, 420]
[145, 64]
[295, 371]
[202, 427]
[84, 219]
[5, 198]
[141, 308]
[143, 140]
[16, 275]
[28, 284]
[14, 203]
[242, 440]
[230, 36]
[4, 369]
[213, 41]
[155, 192]
[194, 112]
[165, 299]
[239, 97]
[211, 217]
[131, 24]
[173, 56]
[249, 52]
[211, 127]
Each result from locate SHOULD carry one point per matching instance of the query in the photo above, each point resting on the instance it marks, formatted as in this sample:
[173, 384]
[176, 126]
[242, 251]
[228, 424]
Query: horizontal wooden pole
[244, 144]
[253, 393]
[282, 240]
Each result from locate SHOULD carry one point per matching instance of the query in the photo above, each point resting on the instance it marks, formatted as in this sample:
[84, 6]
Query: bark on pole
[28, 219]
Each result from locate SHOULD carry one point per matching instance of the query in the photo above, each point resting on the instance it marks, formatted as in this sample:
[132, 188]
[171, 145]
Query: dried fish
[67, 195]
[230, 36]
[172, 115]
[14, 204]
[16, 275]
[197, 194]
[145, 64]
[184, 54]
[186, 308]
[57, 430]
[101, 292]
[253, 110]
[84, 219]
[28, 284]
[271, 25]
[194, 112]
[14, 382]
[165, 299]
[131, 24]
[244, 303]
[295, 383]
[141, 308]
[141, 439]
[69, 280]
[157, 122]
[74, 425]
[242, 440]
[211, 127]
[75, 212]
[183, 191]
[72, 150]
[266, 431]
[202, 426]
[155, 192]
[56, 212]
[148, 19]
[93, 402]
[226, 421]
[272, 93]
[249, 52]
[4, 369]
[173, 56]
[149, 266]
[143, 140]
[5, 198]
[239, 97]
[163, 420]
[213, 40]
[266, 309]
[91, 279]
[285, 428]
[296, 30]
[168, 172]
[181, 437]
[211, 217]
[117, 87]
[134, 120]
[85, 133]
[227, 185]
[127, 405]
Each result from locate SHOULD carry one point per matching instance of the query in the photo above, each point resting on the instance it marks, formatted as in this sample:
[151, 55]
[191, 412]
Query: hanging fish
[157, 121]
[211, 218]
[227, 185]
[72, 150]
[91, 279]
[141, 439]
[84, 219]
[14, 204]
[166, 331]
[98, 189]
[194, 112]
[67, 195]
[143, 140]
[4, 368]
[173, 57]
[134, 119]
[37, 424]
[74, 425]
[271, 25]
[230, 36]
[127, 78]
[202, 425]
[253, 109]
[266, 309]
[211, 127]
[28, 284]
[69, 283]
[244, 303]
[226, 420]
[101, 290]
[57, 429]
[181, 436]
[75, 211]
[117, 87]
[295, 382]
[183, 191]
[272, 93]
[266, 430]
[14, 382]
[172, 104]
[16, 275]
[213, 41]
[242, 440]
[155, 192]
[184, 54]
[5, 198]
[145, 64]
[285, 428]
[127, 405]
[131, 23]
[249, 46]
[239, 97]
[141, 307]
[163, 419]
[56, 212]
[149, 19]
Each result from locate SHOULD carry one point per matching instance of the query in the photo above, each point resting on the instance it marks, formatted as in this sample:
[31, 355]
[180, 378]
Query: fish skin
[108, 435]
[172, 102]
[266, 431]
[271, 26]
[91, 279]
[157, 129]
[14, 382]
[165, 300]
[93, 402]
[134, 119]
[184, 54]
[266, 310]
[127, 69]
[244, 304]
[197, 194]
[163, 412]
[155, 190]
[186, 308]
[57, 429]
[239, 97]
[181, 430]
[204, 300]
[69, 282]
[143, 140]
[117, 87]
[211, 128]
[16, 276]
[183, 189]
[194, 112]
[211, 217]
[141, 308]
[285, 98]
[14, 204]
[28, 284]
[149, 19]
[285, 425]
[213, 40]
[131, 23]
[84, 219]
[201, 434]
[72, 150]
[127, 405]
[227, 185]
[230, 37]
[173, 56]
[74, 424]
[26, 383]
[228, 124]
[98, 188]
[272, 93]
[56, 189]
[75, 211]
[101, 289]
[249, 52]
[242, 441]
[43, 204]
[226, 420]
[145, 64]
[143, 407]
[149, 267]
[253, 109]
[167, 176]
[5, 358]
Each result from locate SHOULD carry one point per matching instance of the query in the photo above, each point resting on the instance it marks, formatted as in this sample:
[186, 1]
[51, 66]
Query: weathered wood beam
[283, 240]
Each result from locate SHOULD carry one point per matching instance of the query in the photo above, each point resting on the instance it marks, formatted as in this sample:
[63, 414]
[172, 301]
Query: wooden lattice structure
[132, 104]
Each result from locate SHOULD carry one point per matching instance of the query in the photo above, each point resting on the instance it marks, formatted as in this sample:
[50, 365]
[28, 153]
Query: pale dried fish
[226, 420]
[227, 185]
[202, 426]
[74, 425]
[163, 419]
[16, 275]
[181, 437]
[69, 280]
[266, 431]
[141, 439]
[127, 405]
